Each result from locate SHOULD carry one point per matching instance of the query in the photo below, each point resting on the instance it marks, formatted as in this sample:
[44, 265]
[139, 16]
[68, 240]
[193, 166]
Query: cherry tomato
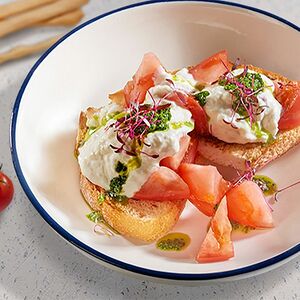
[6, 191]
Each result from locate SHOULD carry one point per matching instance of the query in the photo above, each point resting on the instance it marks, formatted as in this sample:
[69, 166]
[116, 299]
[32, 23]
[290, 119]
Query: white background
[35, 263]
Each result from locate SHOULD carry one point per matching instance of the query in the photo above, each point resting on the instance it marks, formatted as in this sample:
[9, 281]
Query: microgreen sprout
[140, 120]
[244, 89]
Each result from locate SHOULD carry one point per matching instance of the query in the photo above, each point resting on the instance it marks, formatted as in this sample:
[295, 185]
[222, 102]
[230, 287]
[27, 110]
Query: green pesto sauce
[101, 198]
[266, 184]
[175, 241]
[177, 125]
[99, 124]
[97, 217]
[260, 132]
[201, 97]
[257, 130]
[161, 120]
[116, 184]
[252, 81]
[249, 80]
[240, 228]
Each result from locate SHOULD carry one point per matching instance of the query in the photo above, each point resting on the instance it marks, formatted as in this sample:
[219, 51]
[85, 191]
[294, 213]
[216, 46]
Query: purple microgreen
[236, 63]
[226, 122]
[285, 188]
[170, 81]
[248, 174]
[132, 129]
[150, 155]
[233, 126]
[244, 100]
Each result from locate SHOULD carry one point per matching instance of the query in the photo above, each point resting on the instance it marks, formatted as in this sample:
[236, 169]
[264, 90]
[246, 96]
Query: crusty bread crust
[258, 154]
[143, 220]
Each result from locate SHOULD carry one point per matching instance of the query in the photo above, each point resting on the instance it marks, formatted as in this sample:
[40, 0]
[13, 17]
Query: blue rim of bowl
[66, 235]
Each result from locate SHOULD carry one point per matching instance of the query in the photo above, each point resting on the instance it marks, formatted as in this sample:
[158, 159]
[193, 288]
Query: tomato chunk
[163, 184]
[197, 111]
[135, 90]
[289, 97]
[206, 185]
[198, 114]
[247, 206]
[174, 161]
[209, 70]
[191, 152]
[217, 245]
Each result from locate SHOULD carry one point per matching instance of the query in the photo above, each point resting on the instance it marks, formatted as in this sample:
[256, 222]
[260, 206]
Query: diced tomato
[135, 90]
[217, 245]
[205, 207]
[247, 206]
[174, 161]
[289, 97]
[199, 115]
[206, 185]
[191, 152]
[209, 70]
[163, 184]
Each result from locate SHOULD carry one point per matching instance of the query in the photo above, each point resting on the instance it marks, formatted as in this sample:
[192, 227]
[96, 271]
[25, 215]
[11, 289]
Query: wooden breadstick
[67, 19]
[43, 13]
[10, 9]
[26, 50]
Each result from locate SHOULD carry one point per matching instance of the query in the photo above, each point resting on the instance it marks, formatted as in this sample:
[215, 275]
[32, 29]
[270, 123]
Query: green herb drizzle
[266, 184]
[97, 218]
[201, 97]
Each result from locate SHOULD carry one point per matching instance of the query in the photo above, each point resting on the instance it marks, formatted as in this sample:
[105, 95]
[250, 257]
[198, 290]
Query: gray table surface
[35, 263]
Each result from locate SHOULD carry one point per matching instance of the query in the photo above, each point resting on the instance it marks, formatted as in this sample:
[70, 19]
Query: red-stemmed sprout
[285, 188]
[243, 97]
[133, 128]
[247, 175]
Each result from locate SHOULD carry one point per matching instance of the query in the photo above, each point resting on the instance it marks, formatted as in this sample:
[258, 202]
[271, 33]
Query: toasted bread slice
[143, 220]
[258, 154]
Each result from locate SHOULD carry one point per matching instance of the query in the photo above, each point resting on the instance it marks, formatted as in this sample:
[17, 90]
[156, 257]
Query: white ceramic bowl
[99, 57]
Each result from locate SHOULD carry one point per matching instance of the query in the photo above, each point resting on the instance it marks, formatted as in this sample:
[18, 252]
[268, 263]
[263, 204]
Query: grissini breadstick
[30, 18]
[67, 19]
[26, 50]
[10, 9]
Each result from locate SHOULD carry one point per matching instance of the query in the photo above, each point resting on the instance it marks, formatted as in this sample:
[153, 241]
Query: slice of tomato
[217, 245]
[206, 185]
[163, 184]
[247, 206]
[174, 161]
[197, 111]
[135, 90]
[210, 69]
[191, 153]
[198, 114]
[289, 97]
